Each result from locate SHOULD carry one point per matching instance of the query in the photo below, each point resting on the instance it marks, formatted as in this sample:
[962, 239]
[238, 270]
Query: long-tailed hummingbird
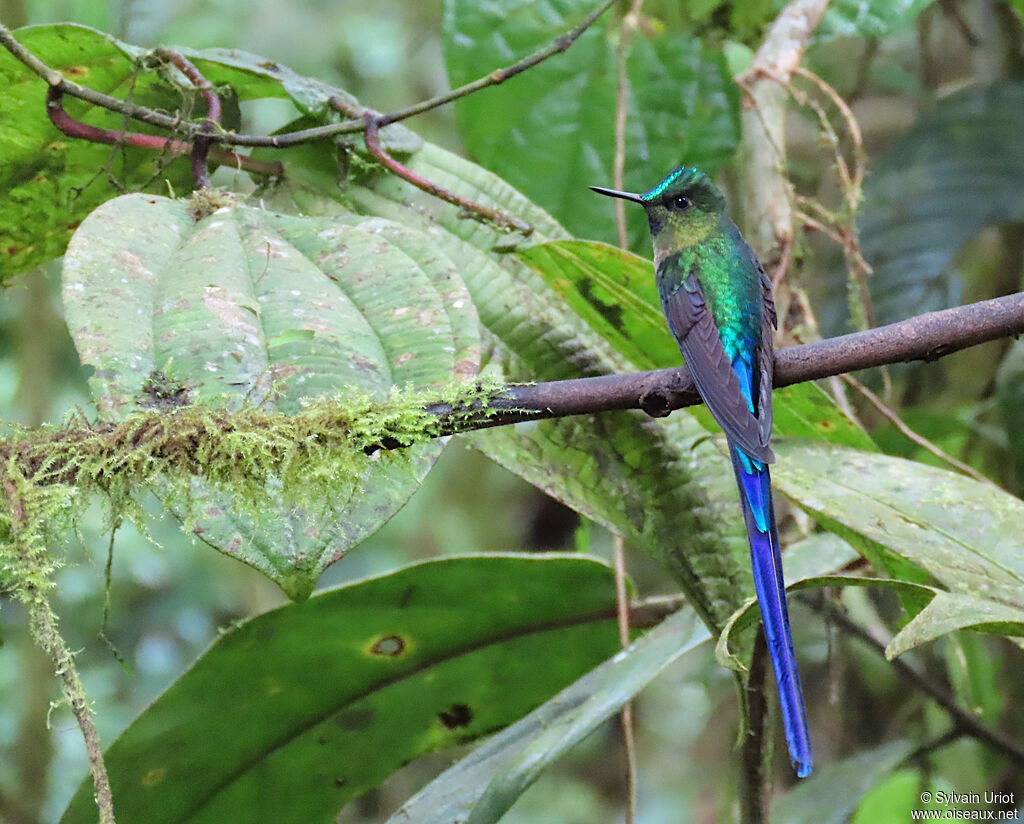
[719, 306]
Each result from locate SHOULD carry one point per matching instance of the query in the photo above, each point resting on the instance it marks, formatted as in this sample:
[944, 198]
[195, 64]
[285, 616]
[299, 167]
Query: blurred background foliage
[938, 90]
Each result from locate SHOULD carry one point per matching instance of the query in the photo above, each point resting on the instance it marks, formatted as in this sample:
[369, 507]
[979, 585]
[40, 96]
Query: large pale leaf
[243, 308]
[549, 130]
[295, 712]
[965, 534]
[481, 787]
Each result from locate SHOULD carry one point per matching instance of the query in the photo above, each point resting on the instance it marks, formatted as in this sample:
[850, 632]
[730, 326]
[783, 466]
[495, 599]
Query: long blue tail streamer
[759, 515]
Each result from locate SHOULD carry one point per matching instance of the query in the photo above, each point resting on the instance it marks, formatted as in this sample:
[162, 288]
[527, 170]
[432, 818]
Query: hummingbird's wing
[714, 373]
[766, 355]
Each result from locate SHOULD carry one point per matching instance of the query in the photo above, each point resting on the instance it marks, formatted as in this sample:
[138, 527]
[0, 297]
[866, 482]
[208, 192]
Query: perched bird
[718, 303]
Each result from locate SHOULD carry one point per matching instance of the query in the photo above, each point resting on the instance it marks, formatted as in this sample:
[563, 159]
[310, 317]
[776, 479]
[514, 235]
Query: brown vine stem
[201, 143]
[174, 124]
[468, 208]
[75, 128]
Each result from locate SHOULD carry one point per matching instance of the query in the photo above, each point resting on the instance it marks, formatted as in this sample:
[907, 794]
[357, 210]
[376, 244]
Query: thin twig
[1011, 748]
[280, 141]
[917, 438]
[626, 715]
[469, 208]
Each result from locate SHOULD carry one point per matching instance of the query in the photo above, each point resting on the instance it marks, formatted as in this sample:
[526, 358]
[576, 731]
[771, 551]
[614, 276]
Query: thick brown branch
[658, 392]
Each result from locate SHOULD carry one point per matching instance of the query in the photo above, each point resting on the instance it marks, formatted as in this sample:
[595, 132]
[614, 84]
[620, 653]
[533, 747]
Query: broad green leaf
[965, 534]
[549, 130]
[834, 791]
[49, 181]
[615, 293]
[243, 307]
[481, 787]
[971, 143]
[299, 710]
[874, 18]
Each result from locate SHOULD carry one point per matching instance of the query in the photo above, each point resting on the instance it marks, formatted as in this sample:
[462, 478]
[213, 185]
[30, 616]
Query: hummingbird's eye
[679, 203]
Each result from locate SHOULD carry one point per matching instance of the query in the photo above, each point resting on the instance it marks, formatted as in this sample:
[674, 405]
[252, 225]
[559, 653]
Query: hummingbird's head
[683, 209]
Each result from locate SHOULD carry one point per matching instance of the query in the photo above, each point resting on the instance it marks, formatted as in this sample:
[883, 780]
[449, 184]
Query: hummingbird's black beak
[616, 193]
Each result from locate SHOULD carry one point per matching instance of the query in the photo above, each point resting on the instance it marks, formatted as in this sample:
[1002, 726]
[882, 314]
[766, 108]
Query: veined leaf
[295, 712]
[549, 132]
[963, 533]
[244, 308]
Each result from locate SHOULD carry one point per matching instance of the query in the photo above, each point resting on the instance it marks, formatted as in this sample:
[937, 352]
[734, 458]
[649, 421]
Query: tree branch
[925, 337]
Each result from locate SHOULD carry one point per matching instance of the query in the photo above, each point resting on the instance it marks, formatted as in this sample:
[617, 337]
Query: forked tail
[759, 515]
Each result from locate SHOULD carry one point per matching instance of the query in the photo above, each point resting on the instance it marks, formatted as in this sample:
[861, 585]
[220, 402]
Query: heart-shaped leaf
[244, 308]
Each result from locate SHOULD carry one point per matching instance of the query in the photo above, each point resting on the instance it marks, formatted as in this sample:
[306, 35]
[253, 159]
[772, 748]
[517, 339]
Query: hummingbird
[718, 302]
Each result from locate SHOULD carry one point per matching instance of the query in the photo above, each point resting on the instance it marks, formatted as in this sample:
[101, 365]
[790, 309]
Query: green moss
[50, 473]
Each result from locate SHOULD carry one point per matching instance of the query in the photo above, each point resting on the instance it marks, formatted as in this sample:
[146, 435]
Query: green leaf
[948, 612]
[245, 308]
[483, 786]
[833, 792]
[910, 228]
[50, 181]
[894, 799]
[874, 18]
[616, 294]
[549, 131]
[299, 710]
[963, 533]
